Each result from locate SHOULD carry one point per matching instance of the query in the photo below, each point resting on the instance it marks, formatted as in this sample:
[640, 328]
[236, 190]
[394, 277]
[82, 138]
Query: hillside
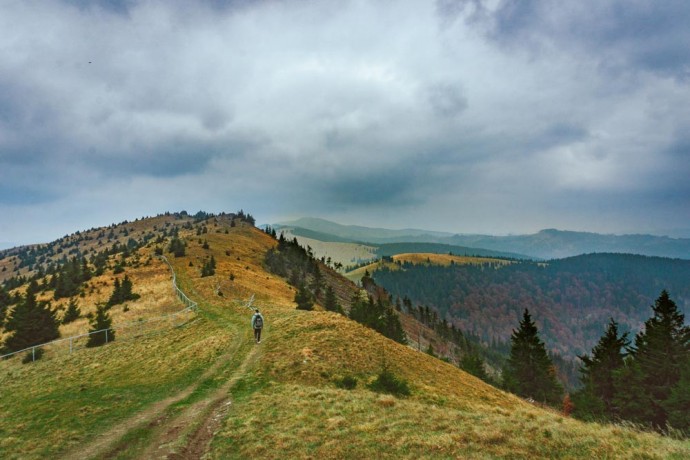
[204, 389]
[570, 299]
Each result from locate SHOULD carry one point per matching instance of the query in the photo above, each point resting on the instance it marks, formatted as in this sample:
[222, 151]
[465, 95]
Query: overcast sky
[469, 117]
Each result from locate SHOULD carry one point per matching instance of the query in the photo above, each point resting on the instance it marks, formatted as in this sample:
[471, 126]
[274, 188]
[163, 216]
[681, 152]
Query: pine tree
[303, 298]
[595, 399]
[660, 352]
[116, 296]
[474, 364]
[391, 327]
[72, 313]
[529, 371]
[126, 290]
[5, 302]
[101, 332]
[331, 301]
[631, 401]
[32, 322]
[678, 403]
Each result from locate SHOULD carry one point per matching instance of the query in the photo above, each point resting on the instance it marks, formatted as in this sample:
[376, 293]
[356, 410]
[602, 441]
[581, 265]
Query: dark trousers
[257, 334]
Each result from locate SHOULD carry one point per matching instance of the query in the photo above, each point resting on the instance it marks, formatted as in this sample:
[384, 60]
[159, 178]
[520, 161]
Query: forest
[571, 299]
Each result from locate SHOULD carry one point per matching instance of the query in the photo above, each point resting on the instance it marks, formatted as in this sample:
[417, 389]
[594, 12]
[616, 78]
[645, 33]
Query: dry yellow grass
[447, 259]
[286, 404]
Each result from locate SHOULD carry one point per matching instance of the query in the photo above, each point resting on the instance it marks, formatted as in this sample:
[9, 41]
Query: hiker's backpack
[258, 322]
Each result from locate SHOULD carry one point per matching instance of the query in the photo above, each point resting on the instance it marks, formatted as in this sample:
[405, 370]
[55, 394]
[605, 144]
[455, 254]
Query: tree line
[303, 271]
[646, 381]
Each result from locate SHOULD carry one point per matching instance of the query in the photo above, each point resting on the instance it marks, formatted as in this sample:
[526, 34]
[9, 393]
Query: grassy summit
[204, 388]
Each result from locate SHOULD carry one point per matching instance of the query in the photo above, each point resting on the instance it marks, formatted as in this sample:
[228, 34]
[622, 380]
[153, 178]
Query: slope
[204, 388]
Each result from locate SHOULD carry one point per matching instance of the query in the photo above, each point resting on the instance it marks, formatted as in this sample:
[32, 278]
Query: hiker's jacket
[254, 316]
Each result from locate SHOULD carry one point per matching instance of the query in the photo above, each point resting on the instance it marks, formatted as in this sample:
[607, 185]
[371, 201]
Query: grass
[285, 401]
[298, 421]
[53, 405]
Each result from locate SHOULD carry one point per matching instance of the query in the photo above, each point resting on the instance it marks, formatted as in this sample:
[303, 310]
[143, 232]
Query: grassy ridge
[292, 409]
[285, 403]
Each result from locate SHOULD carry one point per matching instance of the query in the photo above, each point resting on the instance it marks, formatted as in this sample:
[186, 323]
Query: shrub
[347, 383]
[33, 356]
[387, 382]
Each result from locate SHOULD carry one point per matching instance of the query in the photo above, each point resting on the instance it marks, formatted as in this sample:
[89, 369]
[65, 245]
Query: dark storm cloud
[512, 114]
[639, 34]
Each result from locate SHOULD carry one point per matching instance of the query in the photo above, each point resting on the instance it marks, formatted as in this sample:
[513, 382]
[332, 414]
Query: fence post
[33, 354]
[106, 336]
[70, 345]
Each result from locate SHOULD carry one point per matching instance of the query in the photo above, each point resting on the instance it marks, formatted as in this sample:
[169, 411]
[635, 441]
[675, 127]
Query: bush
[33, 356]
[387, 382]
[347, 383]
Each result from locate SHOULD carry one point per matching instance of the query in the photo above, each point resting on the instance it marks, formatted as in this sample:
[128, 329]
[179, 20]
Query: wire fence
[122, 331]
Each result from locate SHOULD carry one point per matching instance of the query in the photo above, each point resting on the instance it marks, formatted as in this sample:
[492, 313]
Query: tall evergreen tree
[472, 363]
[116, 296]
[595, 398]
[32, 322]
[72, 313]
[5, 302]
[303, 298]
[101, 328]
[660, 352]
[331, 301]
[529, 372]
[678, 403]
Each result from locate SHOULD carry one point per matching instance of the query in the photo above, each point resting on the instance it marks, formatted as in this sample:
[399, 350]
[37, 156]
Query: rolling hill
[571, 299]
[546, 244]
[204, 389]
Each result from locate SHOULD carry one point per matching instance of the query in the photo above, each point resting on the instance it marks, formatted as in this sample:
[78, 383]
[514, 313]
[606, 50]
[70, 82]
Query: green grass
[52, 405]
[285, 400]
[298, 421]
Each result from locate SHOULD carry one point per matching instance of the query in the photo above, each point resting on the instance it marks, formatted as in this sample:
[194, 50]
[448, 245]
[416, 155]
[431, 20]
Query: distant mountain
[546, 244]
[555, 244]
[358, 234]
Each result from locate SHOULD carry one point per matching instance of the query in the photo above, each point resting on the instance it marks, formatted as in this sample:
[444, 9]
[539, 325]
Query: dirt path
[189, 434]
[155, 416]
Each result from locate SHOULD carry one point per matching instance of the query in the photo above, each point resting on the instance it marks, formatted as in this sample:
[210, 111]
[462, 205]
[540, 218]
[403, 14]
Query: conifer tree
[303, 298]
[101, 328]
[474, 364]
[659, 353]
[331, 302]
[127, 293]
[116, 296]
[72, 313]
[595, 399]
[678, 403]
[391, 327]
[529, 371]
[5, 302]
[32, 322]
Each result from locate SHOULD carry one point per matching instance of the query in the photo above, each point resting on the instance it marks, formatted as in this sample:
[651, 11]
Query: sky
[497, 117]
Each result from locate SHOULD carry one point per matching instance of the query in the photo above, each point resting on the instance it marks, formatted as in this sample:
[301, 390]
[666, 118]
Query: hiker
[257, 325]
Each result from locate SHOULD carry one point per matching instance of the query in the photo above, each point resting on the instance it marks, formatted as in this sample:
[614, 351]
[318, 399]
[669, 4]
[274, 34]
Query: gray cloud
[514, 115]
[636, 35]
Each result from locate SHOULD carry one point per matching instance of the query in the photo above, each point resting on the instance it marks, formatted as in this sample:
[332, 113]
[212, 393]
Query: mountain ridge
[205, 389]
[546, 244]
